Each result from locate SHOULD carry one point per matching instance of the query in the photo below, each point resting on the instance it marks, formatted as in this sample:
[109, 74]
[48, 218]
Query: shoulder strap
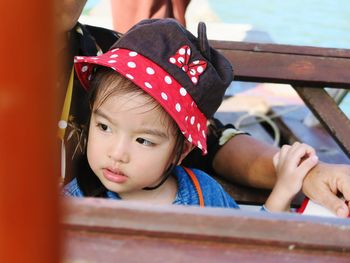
[196, 185]
[63, 122]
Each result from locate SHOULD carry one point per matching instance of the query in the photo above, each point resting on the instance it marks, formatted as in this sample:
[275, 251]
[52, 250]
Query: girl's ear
[187, 148]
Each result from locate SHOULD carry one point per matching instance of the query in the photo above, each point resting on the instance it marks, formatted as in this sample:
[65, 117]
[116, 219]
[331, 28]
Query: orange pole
[28, 159]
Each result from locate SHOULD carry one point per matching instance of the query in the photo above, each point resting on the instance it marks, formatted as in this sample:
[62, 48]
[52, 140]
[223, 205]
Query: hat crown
[183, 73]
[202, 71]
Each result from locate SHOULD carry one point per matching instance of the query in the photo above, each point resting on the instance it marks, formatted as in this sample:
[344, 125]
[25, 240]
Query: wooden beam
[301, 66]
[100, 229]
[329, 114]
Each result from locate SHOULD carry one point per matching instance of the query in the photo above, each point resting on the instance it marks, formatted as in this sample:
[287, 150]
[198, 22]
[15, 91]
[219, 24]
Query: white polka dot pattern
[194, 69]
[131, 65]
[167, 79]
[183, 91]
[164, 96]
[148, 85]
[172, 60]
[178, 107]
[129, 76]
[155, 81]
[150, 71]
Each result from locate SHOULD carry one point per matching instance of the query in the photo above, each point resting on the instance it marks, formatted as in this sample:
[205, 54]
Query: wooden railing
[308, 69]
[100, 230]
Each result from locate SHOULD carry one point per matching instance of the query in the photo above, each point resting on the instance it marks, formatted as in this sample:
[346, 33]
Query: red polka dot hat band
[181, 72]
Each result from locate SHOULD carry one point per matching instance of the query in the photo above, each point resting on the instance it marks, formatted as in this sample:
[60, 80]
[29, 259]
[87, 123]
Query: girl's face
[130, 144]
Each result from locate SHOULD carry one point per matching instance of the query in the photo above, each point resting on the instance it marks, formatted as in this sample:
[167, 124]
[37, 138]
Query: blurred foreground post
[28, 160]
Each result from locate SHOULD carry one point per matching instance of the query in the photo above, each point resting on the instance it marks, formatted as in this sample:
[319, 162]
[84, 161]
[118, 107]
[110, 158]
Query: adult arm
[248, 161]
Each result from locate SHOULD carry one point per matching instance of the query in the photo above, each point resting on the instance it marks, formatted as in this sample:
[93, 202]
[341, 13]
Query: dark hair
[106, 77]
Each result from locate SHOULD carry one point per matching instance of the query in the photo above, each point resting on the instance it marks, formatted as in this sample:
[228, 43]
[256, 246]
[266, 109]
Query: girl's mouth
[114, 176]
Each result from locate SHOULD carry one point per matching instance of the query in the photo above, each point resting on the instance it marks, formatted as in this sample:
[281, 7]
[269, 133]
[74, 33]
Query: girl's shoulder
[72, 189]
[213, 193]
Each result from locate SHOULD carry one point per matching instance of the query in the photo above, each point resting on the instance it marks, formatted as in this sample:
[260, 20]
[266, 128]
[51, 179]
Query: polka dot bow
[193, 69]
[157, 82]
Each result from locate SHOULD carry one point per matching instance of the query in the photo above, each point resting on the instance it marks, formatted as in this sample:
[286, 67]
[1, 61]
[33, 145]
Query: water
[323, 23]
[345, 105]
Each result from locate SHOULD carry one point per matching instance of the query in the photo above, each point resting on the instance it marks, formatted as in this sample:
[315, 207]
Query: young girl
[151, 96]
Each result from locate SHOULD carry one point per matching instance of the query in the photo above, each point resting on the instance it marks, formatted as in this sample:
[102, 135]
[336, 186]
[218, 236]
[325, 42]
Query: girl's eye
[103, 127]
[144, 142]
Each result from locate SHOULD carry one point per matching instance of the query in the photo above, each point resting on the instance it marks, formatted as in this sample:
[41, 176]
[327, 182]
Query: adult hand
[325, 182]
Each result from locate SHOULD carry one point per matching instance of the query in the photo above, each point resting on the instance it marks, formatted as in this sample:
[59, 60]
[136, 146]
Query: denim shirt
[213, 193]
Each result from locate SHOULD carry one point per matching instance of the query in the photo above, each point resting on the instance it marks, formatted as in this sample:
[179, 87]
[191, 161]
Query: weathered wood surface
[331, 117]
[295, 65]
[99, 230]
[305, 68]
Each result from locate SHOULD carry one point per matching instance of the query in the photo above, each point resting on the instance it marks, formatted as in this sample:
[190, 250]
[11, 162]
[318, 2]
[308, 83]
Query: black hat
[182, 72]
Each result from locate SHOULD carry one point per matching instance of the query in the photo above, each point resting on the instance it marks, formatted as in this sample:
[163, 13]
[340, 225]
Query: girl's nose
[119, 151]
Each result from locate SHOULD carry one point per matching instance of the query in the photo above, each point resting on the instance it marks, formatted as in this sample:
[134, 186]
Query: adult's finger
[323, 183]
[337, 205]
[331, 201]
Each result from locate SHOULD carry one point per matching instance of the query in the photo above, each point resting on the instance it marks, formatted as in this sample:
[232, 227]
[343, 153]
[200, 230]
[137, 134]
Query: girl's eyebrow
[154, 132]
[102, 114]
[150, 131]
